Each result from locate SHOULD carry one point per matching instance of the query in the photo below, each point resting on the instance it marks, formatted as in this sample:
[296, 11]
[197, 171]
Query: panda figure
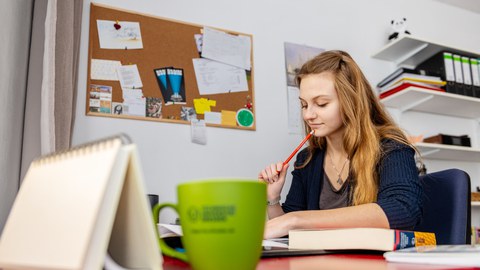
[399, 27]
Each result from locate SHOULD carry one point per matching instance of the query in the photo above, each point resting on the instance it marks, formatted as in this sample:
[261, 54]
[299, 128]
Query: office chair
[446, 206]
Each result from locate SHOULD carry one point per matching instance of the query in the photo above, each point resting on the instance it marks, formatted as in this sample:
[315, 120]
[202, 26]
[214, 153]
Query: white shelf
[411, 51]
[429, 101]
[448, 152]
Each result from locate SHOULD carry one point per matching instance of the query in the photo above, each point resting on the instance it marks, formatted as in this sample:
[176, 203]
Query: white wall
[359, 27]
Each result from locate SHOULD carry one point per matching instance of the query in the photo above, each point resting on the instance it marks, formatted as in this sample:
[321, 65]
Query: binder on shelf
[474, 66]
[467, 77]
[441, 64]
[77, 206]
[457, 65]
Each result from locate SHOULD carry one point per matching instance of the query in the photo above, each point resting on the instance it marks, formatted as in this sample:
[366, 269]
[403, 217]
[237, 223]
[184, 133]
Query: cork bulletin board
[166, 43]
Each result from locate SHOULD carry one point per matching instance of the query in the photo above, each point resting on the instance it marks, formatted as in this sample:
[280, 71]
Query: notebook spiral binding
[82, 149]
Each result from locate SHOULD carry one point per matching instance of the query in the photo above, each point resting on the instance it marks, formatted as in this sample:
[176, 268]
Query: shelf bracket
[427, 153]
[411, 53]
[416, 103]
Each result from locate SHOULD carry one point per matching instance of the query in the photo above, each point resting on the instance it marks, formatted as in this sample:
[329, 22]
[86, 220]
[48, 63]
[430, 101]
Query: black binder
[457, 63]
[467, 77]
[441, 64]
[474, 67]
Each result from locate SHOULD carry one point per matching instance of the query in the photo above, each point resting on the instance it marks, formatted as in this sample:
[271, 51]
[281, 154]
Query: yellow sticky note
[203, 105]
[229, 118]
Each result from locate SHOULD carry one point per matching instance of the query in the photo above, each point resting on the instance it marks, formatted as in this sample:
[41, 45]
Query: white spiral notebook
[73, 206]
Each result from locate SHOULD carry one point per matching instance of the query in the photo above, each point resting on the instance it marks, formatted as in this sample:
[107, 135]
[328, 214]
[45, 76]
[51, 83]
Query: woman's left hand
[279, 226]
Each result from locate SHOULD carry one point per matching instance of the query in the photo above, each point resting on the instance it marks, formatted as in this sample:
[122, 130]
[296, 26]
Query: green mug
[222, 222]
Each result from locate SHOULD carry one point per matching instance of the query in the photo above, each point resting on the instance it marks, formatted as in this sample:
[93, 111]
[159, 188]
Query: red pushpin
[117, 25]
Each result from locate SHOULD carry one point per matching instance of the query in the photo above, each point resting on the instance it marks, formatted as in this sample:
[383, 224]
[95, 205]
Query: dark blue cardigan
[399, 193]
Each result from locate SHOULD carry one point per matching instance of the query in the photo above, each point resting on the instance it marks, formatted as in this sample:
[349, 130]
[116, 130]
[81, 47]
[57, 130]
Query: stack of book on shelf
[404, 78]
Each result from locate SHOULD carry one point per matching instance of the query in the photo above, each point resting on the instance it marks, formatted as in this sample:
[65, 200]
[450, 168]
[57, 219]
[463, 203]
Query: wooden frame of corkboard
[166, 43]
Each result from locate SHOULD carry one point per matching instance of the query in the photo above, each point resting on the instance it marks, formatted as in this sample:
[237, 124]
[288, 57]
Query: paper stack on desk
[460, 255]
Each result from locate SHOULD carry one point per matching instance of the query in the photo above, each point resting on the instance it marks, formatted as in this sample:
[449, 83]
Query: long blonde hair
[365, 119]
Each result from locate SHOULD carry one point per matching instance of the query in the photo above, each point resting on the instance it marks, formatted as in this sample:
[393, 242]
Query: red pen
[298, 148]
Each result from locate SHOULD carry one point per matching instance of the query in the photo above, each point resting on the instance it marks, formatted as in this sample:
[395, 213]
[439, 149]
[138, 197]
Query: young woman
[358, 169]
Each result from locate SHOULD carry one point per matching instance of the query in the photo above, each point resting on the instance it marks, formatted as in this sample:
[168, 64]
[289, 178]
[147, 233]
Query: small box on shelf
[462, 140]
[475, 197]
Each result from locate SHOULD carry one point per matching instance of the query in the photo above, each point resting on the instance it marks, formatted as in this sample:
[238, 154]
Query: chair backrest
[446, 206]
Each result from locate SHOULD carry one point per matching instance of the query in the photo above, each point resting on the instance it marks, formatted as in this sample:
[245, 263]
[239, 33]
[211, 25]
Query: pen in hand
[296, 149]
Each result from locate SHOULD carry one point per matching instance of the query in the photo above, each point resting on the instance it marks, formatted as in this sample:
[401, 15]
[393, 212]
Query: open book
[276, 247]
[358, 238]
[172, 230]
[75, 206]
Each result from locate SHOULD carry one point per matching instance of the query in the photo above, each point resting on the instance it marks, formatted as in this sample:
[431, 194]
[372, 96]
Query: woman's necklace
[339, 173]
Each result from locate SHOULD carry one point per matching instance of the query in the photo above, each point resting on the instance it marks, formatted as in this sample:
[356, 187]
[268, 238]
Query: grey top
[331, 198]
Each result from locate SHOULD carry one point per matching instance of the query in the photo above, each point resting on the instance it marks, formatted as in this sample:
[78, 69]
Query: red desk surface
[331, 261]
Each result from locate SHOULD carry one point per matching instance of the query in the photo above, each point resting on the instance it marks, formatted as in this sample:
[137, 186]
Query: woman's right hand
[274, 176]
